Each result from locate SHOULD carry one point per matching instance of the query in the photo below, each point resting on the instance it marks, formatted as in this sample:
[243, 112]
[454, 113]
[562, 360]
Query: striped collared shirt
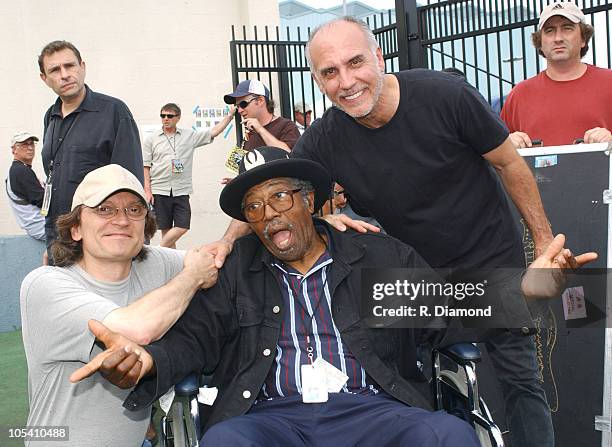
[307, 304]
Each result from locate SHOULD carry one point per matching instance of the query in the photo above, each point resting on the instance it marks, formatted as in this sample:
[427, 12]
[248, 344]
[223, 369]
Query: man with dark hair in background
[570, 100]
[168, 164]
[83, 130]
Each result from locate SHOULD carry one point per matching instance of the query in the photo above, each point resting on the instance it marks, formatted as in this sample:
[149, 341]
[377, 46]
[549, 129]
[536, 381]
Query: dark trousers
[527, 412]
[344, 420]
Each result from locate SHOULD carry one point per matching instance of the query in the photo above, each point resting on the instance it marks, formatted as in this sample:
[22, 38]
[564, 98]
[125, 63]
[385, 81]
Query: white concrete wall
[146, 52]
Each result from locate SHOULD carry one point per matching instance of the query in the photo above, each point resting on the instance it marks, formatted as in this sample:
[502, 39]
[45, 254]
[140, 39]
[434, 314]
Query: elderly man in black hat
[293, 358]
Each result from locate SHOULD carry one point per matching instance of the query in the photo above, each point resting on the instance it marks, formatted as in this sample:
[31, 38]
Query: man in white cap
[103, 271]
[23, 188]
[568, 101]
[263, 127]
[303, 115]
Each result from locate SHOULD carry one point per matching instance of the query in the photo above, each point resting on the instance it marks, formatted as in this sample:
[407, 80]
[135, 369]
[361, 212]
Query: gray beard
[375, 98]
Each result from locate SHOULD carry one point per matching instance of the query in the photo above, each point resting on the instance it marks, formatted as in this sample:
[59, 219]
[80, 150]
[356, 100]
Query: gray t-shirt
[56, 303]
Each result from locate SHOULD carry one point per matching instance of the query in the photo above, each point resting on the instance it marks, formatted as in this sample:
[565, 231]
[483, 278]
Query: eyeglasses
[168, 115]
[280, 202]
[133, 212]
[338, 193]
[245, 103]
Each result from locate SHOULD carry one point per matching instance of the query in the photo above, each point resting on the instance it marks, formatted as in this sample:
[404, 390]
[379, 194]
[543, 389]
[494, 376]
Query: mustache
[275, 226]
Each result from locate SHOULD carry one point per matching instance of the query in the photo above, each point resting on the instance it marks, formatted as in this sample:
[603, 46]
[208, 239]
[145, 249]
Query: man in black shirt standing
[23, 188]
[429, 144]
[84, 130]
[423, 153]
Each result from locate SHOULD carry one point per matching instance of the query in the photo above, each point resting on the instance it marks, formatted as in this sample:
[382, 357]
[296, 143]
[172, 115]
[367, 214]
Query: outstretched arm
[123, 363]
[221, 125]
[520, 184]
[148, 318]
[546, 276]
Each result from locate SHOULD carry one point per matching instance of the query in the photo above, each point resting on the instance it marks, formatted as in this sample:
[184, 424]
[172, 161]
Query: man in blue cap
[263, 127]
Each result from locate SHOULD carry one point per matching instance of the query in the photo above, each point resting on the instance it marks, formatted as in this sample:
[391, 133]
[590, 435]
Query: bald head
[328, 28]
[347, 65]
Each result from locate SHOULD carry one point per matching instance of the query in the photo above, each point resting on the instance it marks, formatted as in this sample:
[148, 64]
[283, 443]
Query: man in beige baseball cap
[568, 102]
[23, 188]
[565, 9]
[104, 182]
[102, 271]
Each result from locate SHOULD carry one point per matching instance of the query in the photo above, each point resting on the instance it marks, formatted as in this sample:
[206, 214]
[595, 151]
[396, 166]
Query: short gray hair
[305, 186]
[360, 23]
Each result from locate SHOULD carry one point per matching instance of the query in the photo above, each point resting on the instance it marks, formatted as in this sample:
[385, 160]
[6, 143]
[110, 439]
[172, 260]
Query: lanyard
[172, 146]
[61, 140]
[309, 322]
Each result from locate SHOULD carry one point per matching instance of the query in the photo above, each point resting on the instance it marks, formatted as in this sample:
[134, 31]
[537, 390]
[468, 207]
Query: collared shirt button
[266, 352]
[276, 309]
[246, 394]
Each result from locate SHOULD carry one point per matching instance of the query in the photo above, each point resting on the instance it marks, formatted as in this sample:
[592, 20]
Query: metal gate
[488, 40]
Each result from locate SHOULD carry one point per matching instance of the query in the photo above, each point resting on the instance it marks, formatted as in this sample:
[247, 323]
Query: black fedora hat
[265, 163]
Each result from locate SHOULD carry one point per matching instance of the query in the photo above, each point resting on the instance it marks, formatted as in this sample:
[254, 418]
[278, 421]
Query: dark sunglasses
[244, 103]
[167, 115]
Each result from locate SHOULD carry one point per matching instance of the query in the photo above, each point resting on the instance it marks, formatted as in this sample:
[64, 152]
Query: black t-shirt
[422, 174]
[25, 184]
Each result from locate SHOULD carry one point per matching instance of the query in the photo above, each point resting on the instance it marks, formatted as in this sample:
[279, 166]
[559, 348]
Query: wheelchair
[182, 426]
[455, 390]
[454, 383]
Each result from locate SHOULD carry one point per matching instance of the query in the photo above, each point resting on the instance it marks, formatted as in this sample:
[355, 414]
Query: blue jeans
[527, 411]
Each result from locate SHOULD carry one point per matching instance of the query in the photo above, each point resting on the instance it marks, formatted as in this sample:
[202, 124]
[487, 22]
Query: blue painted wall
[19, 255]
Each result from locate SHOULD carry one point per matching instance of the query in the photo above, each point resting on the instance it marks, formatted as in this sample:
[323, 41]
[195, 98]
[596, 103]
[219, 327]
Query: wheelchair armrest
[462, 353]
[188, 386]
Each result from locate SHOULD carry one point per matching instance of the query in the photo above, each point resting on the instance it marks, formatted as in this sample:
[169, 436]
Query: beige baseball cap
[566, 9]
[22, 136]
[103, 182]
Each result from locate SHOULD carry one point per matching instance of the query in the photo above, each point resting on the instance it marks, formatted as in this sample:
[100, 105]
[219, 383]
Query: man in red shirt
[568, 101]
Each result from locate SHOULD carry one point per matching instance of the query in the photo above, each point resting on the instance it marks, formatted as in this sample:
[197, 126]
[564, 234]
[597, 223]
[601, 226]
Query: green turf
[13, 386]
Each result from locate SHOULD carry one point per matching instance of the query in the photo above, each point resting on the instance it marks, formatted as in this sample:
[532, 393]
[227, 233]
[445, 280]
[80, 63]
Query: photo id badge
[44, 209]
[334, 378]
[314, 386]
[177, 166]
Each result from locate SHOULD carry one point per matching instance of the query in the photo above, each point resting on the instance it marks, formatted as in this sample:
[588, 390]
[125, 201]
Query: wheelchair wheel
[177, 425]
